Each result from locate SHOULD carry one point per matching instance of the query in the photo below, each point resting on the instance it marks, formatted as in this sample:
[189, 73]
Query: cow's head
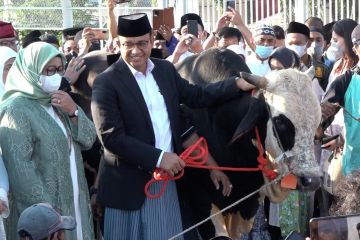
[294, 116]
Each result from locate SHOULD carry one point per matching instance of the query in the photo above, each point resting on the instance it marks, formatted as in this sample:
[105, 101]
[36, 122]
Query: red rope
[196, 156]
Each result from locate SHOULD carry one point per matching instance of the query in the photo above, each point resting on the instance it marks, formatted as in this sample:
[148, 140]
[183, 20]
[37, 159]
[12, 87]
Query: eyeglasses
[140, 44]
[52, 70]
[8, 43]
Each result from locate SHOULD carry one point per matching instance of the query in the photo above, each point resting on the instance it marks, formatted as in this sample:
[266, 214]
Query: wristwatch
[75, 114]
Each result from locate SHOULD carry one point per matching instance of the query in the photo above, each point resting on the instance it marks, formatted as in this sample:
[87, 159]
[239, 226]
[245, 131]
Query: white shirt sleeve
[159, 159]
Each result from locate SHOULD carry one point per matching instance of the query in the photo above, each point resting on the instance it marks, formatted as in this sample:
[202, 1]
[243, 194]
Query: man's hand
[219, 176]
[181, 48]
[235, 18]
[165, 31]
[195, 44]
[223, 21]
[97, 208]
[111, 5]
[85, 42]
[172, 163]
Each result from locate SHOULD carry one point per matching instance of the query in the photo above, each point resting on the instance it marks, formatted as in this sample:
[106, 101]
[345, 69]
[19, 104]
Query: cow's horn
[255, 80]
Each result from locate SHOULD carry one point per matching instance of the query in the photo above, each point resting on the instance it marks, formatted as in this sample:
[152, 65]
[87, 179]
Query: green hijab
[24, 76]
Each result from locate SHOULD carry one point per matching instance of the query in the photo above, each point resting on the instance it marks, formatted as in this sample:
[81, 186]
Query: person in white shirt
[264, 41]
[188, 44]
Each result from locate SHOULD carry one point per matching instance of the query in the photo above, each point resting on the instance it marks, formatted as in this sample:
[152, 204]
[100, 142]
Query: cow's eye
[278, 121]
[286, 131]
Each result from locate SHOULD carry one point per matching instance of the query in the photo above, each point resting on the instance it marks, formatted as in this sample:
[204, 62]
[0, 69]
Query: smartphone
[335, 227]
[294, 235]
[192, 27]
[158, 18]
[122, 1]
[230, 4]
[163, 17]
[328, 139]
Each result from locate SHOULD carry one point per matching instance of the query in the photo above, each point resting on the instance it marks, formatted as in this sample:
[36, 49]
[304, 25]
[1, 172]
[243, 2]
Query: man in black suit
[136, 110]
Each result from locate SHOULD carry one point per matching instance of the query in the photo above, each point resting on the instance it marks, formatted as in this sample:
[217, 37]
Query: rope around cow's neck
[226, 208]
[346, 111]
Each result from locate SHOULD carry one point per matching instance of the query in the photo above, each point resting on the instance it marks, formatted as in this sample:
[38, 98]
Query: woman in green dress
[42, 134]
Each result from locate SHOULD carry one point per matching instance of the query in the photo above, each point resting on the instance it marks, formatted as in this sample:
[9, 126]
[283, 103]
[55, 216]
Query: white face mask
[50, 83]
[334, 52]
[238, 49]
[300, 50]
[315, 50]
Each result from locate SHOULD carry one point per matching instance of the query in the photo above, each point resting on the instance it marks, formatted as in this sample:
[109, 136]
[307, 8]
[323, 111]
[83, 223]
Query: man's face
[224, 42]
[265, 40]
[70, 47]
[318, 38]
[161, 44]
[295, 39]
[280, 43]
[10, 42]
[136, 50]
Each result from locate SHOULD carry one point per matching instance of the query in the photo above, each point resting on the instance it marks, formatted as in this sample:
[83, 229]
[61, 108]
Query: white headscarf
[5, 54]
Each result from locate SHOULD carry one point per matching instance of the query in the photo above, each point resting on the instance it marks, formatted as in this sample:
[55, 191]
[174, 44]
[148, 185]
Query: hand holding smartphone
[230, 4]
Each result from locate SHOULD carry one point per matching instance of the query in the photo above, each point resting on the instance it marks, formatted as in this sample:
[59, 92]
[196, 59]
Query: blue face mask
[263, 51]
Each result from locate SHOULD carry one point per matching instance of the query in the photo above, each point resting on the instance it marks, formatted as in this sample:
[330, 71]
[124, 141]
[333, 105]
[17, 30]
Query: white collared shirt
[257, 66]
[156, 106]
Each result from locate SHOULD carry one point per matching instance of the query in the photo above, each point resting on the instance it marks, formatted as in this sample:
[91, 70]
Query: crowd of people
[136, 116]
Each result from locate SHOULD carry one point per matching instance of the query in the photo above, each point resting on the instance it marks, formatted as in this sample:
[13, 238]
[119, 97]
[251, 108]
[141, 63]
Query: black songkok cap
[71, 32]
[133, 25]
[33, 36]
[355, 35]
[296, 27]
[190, 16]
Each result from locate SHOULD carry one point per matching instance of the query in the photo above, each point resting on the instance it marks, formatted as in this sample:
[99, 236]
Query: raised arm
[237, 20]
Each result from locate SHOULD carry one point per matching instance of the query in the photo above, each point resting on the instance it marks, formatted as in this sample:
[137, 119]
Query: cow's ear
[256, 112]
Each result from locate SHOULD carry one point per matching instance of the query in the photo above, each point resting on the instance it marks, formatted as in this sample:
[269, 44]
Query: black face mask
[94, 46]
[70, 56]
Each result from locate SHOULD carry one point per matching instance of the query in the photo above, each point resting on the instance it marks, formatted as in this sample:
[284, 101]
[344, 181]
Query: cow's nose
[308, 184]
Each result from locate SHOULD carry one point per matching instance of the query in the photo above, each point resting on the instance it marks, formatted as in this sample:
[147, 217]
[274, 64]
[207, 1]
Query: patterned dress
[36, 156]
